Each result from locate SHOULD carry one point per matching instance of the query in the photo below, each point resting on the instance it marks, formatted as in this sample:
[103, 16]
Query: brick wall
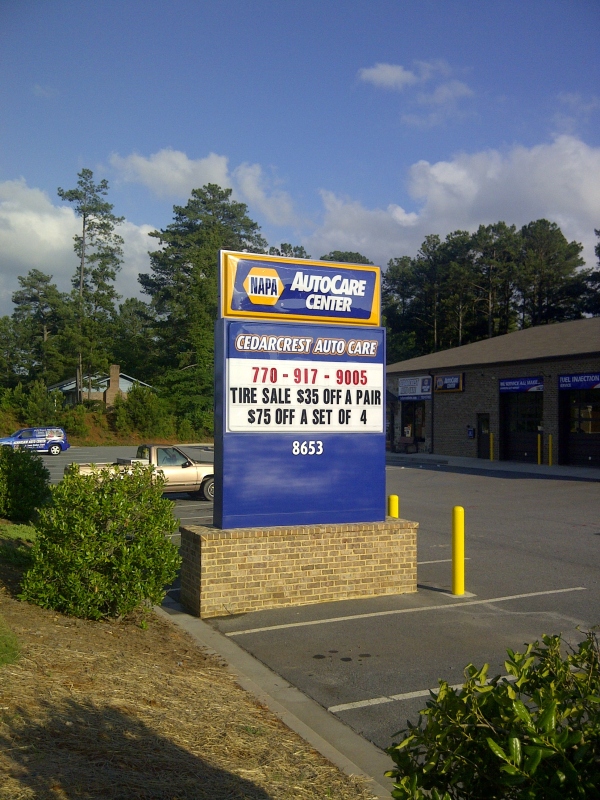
[247, 569]
[113, 385]
[454, 411]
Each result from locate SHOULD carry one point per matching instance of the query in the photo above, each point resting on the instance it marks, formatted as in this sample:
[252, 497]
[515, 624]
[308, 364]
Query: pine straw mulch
[109, 710]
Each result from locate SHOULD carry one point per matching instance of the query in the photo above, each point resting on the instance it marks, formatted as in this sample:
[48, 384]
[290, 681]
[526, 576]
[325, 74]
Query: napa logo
[263, 286]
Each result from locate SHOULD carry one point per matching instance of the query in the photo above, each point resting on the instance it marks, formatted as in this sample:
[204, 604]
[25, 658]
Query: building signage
[588, 380]
[449, 383]
[418, 388]
[267, 287]
[522, 385]
[300, 404]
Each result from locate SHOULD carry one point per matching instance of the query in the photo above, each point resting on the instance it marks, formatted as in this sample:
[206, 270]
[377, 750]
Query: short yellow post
[549, 449]
[491, 446]
[458, 550]
[393, 506]
[539, 448]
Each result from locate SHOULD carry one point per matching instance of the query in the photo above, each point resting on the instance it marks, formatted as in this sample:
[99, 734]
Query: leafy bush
[185, 431]
[101, 549]
[536, 738]
[23, 483]
[41, 407]
[74, 421]
[15, 545]
[9, 644]
[143, 411]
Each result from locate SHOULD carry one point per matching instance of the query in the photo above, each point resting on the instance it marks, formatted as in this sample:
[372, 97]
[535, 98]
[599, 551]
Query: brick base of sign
[248, 569]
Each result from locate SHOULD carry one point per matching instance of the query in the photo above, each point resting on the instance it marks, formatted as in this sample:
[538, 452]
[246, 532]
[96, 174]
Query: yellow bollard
[393, 506]
[549, 449]
[458, 550]
[491, 446]
[539, 449]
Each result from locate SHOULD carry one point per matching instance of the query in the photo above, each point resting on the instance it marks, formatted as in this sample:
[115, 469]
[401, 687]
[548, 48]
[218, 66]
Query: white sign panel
[304, 396]
[417, 388]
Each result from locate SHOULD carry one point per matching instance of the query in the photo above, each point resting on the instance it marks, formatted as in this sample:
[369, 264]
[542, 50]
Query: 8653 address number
[307, 448]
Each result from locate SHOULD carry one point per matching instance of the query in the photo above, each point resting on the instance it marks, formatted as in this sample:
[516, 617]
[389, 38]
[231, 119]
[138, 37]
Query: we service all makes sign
[300, 397]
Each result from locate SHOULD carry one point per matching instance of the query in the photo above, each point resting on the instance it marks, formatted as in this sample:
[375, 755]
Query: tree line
[472, 286]
[455, 291]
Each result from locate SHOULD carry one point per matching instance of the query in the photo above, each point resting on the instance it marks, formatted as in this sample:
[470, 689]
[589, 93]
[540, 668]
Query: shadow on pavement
[495, 473]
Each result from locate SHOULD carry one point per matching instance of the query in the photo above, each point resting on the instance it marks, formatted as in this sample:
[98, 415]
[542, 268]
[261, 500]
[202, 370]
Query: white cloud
[47, 92]
[277, 206]
[388, 76]
[171, 173]
[443, 98]
[35, 233]
[445, 94]
[559, 181]
[574, 111]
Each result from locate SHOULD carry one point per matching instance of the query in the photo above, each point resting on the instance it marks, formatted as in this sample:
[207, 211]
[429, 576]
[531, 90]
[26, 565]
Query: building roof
[99, 383]
[577, 338]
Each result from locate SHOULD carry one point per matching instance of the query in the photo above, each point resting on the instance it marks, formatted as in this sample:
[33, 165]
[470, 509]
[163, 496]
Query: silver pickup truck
[182, 473]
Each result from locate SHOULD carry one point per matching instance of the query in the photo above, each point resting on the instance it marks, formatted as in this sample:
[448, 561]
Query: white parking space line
[462, 604]
[393, 698]
[439, 561]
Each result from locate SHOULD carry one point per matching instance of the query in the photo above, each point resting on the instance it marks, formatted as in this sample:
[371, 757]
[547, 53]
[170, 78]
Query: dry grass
[109, 710]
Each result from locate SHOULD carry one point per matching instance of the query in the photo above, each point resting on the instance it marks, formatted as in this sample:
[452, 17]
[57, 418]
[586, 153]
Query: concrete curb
[327, 734]
[483, 465]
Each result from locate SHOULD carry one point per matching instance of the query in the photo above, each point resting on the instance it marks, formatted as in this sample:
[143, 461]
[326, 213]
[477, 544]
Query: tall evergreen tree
[346, 257]
[398, 290]
[134, 339]
[100, 253]
[39, 316]
[495, 251]
[182, 286]
[548, 284]
[289, 251]
[12, 368]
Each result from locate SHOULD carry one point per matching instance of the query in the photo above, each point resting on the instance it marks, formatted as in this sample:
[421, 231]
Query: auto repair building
[532, 395]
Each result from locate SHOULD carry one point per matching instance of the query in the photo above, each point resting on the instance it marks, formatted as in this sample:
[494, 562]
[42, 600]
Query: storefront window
[584, 411]
[413, 418]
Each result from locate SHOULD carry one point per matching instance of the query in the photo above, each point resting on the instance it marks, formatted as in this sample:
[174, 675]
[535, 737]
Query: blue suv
[43, 440]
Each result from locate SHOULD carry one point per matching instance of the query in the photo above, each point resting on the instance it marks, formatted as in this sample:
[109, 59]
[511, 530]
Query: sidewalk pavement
[541, 471]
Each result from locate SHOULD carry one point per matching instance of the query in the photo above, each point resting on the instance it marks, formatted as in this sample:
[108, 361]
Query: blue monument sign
[299, 393]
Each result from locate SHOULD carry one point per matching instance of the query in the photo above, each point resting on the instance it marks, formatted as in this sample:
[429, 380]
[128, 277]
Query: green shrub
[101, 549]
[185, 431]
[143, 411]
[9, 644]
[15, 545]
[40, 406]
[23, 483]
[74, 421]
[535, 738]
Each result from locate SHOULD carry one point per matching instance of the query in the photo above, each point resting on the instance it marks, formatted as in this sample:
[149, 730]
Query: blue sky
[342, 125]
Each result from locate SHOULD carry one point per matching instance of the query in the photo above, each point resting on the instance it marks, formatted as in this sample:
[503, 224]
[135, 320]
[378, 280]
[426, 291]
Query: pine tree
[182, 286]
[100, 253]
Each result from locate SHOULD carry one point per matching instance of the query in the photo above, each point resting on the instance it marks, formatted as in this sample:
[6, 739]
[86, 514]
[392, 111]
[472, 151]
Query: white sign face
[418, 387]
[304, 396]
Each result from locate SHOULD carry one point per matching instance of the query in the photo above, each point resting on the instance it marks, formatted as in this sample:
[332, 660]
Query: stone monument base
[247, 569]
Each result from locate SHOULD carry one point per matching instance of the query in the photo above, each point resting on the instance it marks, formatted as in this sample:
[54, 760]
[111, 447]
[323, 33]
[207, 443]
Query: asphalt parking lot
[533, 549]
[188, 509]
